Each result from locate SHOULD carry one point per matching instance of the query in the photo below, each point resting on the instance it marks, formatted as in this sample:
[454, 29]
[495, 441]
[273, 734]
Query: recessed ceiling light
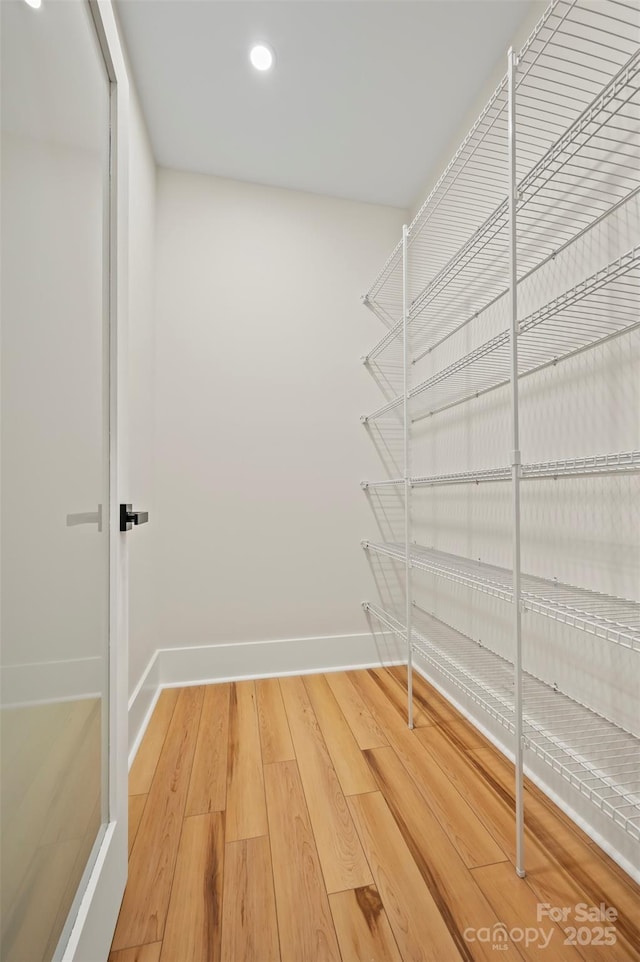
[261, 57]
[34, 3]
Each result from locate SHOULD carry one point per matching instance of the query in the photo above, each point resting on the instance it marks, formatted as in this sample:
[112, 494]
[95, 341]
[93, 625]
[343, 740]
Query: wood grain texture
[208, 786]
[471, 838]
[139, 953]
[466, 736]
[433, 706]
[554, 874]
[396, 696]
[362, 926]
[418, 927]
[246, 811]
[249, 922]
[136, 808]
[453, 889]
[304, 917]
[491, 803]
[517, 908]
[436, 823]
[599, 879]
[146, 760]
[343, 863]
[351, 768]
[193, 929]
[274, 727]
[366, 730]
[153, 857]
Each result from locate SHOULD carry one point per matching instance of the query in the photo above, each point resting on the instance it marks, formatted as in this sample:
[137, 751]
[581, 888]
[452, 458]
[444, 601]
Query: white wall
[141, 391]
[259, 451]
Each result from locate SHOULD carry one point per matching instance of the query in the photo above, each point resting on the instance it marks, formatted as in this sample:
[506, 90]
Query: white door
[63, 828]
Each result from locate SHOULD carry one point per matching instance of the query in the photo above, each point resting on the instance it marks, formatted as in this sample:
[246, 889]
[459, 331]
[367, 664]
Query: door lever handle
[129, 517]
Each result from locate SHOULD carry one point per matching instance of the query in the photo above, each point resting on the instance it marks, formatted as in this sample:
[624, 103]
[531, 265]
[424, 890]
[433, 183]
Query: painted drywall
[141, 448]
[259, 451]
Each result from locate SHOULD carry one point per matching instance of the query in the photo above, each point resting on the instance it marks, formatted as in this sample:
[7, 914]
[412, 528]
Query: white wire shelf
[578, 151]
[603, 306]
[599, 759]
[624, 463]
[612, 619]
[574, 185]
[388, 311]
[389, 483]
[391, 408]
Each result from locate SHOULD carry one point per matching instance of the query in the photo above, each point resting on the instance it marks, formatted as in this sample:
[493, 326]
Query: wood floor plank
[366, 730]
[304, 917]
[396, 695]
[351, 768]
[597, 880]
[343, 863]
[453, 889]
[246, 811]
[473, 841]
[146, 760]
[139, 953]
[436, 822]
[554, 875]
[136, 808]
[249, 922]
[362, 926]
[517, 908]
[467, 736]
[418, 927]
[193, 930]
[208, 786]
[153, 857]
[435, 707]
[491, 804]
[374, 695]
[274, 727]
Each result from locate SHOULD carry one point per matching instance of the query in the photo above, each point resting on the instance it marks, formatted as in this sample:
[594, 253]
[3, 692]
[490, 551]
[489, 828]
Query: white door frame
[92, 931]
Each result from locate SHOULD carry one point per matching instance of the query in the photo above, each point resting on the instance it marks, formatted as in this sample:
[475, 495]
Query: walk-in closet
[320, 515]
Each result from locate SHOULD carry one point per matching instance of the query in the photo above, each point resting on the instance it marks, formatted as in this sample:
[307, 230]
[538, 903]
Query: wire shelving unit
[601, 760]
[616, 620]
[553, 158]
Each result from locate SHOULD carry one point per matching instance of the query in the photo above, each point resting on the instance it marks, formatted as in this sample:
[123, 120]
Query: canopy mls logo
[499, 936]
[557, 923]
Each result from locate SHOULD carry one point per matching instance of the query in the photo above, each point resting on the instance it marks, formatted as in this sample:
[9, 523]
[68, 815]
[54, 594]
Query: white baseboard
[141, 704]
[209, 664]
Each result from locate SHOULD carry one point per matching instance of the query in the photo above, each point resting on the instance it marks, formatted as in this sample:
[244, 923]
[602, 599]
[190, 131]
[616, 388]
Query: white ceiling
[364, 97]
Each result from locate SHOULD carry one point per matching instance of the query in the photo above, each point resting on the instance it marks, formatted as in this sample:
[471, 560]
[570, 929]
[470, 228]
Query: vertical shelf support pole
[515, 468]
[407, 473]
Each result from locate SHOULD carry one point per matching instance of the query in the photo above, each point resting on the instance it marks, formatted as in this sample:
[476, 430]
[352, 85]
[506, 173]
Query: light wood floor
[300, 820]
